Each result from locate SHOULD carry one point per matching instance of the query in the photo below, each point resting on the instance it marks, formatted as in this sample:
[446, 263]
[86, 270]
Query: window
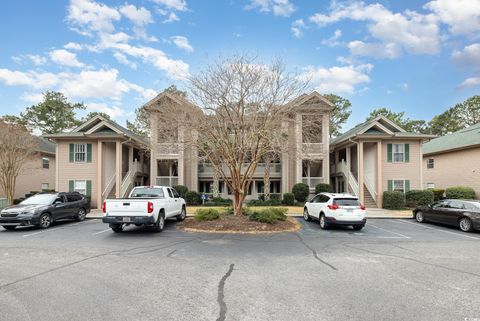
[81, 187]
[399, 186]
[45, 186]
[175, 193]
[430, 163]
[324, 198]
[80, 153]
[73, 197]
[456, 205]
[398, 153]
[430, 185]
[170, 193]
[45, 162]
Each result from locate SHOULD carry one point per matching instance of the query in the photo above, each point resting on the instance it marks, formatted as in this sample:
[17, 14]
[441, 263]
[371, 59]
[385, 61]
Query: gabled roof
[45, 146]
[379, 126]
[314, 97]
[153, 103]
[99, 126]
[463, 139]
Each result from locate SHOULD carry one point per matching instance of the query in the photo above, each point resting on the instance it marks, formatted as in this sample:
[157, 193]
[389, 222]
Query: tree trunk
[215, 190]
[238, 198]
[266, 180]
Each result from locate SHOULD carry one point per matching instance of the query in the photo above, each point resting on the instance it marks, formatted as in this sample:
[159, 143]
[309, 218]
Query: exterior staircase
[368, 201]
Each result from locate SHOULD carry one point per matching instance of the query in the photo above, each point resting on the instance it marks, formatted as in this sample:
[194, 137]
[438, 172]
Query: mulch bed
[238, 224]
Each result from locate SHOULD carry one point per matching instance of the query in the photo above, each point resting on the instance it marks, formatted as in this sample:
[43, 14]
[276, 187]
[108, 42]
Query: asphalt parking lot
[391, 270]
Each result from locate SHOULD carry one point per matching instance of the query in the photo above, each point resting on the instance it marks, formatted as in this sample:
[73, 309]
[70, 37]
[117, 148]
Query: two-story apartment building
[453, 160]
[100, 159]
[377, 156]
[304, 160]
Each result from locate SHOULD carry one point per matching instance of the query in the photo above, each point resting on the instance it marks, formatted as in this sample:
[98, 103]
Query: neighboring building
[100, 159]
[38, 172]
[453, 160]
[377, 156]
[308, 162]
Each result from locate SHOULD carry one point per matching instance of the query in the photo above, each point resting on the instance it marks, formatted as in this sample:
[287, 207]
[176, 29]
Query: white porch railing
[312, 148]
[352, 181]
[370, 187]
[127, 183]
[109, 186]
[312, 181]
[167, 180]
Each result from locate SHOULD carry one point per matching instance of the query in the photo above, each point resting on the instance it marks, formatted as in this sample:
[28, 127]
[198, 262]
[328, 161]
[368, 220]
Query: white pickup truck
[146, 205]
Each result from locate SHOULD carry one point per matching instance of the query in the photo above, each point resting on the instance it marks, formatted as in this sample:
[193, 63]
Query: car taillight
[333, 207]
[362, 207]
[150, 207]
[104, 207]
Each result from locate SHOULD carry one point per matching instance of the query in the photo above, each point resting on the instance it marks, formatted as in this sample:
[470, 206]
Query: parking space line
[404, 236]
[102, 231]
[440, 230]
[27, 235]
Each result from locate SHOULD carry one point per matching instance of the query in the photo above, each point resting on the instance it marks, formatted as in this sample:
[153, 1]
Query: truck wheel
[182, 215]
[160, 224]
[117, 228]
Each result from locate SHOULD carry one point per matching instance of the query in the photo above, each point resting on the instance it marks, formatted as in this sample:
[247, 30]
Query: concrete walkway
[297, 211]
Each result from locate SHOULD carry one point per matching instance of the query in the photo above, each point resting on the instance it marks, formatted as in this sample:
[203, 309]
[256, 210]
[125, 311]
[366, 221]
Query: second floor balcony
[206, 170]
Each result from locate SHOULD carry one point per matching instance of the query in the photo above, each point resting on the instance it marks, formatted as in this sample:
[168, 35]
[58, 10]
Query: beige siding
[77, 171]
[403, 171]
[454, 168]
[33, 175]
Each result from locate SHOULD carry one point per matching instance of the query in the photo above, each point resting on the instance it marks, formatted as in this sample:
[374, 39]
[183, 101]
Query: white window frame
[45, 161]
[430, 163]
[396, 150]
[430, 185]
[82, 191]
[42, 186]
[79, 150]
[403, 185]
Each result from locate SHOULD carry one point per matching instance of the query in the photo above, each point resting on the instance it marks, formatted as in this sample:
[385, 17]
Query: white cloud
[333, 40]
[389, 50]
[297, 28]
[462, 16]
[113, 111]
[33, 98]
[73, 46]
[403, 86]
[65, 58]
[180, 5]
[99, 84]
[182, 43]
[341, 80]
[37, 60]
[470, 82]
[407, 31]
[172, 17]
[278, 7]
[86, 15]
[139, 16]
[469, 56]
[121, 58]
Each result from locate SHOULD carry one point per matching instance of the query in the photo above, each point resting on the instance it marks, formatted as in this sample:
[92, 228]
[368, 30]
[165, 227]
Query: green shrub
[460, 192]
[288, 199]
[207, 214]
[218, 201]
[301, 191]
[393, 200]
[416, 198]
[271, 202]
[181, 189]
[193, 198]
[269, 215]
[322, 187]
[438, 194]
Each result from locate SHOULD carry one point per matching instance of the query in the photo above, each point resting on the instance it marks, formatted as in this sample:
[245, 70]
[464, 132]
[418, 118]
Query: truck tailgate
[127, 207]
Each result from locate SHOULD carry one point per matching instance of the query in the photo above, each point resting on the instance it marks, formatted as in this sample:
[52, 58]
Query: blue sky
[420, 57]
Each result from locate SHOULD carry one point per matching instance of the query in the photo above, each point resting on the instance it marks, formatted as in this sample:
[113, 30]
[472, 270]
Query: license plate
[126, 219]
[349, 210]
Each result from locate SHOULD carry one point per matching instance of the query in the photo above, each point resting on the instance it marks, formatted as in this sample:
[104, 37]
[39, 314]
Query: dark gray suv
[45, 208]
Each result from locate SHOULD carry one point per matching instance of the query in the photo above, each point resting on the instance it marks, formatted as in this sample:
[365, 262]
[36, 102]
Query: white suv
[336, 209]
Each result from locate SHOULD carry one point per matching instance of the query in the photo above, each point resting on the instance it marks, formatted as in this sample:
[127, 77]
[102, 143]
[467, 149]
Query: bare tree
[17, 145]
[243, 103]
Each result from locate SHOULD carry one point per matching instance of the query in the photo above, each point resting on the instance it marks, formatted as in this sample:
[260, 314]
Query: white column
[118, 168]
[299, 158]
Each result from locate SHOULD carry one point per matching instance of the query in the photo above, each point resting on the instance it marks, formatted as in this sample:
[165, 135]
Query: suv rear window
[346, 201]
[147, 192]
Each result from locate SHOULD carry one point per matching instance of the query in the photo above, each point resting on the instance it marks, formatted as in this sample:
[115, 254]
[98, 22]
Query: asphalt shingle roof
[462, 139]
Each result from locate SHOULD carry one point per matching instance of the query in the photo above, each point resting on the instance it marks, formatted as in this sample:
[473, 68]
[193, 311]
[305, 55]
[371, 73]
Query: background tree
[468, 112]
[457, 117]
[53, 115]
[92, 114]
[340, 114]
[141, 124]
[410, 125]
[16, 146]
[12, 119]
